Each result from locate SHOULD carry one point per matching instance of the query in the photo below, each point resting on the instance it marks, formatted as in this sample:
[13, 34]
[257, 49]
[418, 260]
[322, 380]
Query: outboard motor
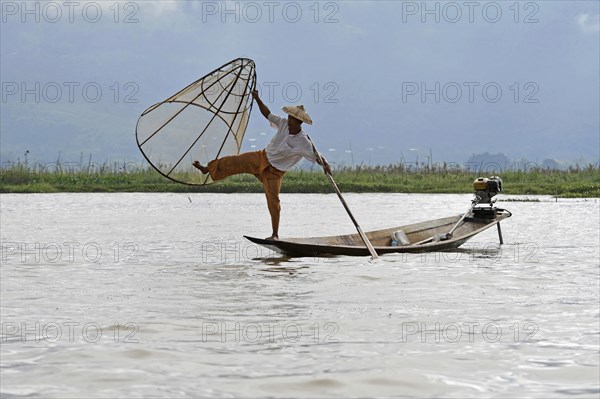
[485, 191]
[482, 207]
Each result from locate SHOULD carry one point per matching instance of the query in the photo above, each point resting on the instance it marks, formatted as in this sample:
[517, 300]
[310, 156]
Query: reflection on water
[475, 252]
[112, 295]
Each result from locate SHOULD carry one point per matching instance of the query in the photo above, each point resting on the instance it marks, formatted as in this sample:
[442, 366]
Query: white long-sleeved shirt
[285, 150]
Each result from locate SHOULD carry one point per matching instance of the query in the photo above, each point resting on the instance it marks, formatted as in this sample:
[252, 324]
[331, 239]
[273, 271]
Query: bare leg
[272, 186]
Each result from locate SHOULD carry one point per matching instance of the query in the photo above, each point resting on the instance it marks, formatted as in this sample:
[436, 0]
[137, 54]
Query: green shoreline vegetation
[576, 182]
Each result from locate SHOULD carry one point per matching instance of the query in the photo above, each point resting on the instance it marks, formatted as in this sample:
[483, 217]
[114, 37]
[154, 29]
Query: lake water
[159, 295]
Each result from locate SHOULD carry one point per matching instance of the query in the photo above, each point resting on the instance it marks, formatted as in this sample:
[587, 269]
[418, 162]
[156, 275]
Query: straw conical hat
[298, 112]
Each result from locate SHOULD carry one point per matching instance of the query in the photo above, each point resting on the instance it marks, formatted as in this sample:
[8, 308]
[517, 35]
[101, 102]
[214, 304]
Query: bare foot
[203, 169]
[273, 237]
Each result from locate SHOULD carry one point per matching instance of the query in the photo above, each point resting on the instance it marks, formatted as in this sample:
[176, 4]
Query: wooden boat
[422, 237]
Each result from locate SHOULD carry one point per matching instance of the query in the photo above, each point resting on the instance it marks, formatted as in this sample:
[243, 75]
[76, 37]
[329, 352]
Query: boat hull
[352, 245]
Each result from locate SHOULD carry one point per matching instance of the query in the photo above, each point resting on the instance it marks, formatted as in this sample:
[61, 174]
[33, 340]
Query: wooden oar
[339, 194]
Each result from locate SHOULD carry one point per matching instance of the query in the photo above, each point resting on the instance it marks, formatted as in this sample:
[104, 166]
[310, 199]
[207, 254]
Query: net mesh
[204, 121]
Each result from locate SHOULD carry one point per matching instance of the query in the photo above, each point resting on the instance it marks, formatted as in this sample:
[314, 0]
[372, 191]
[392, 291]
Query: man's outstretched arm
[263, 108]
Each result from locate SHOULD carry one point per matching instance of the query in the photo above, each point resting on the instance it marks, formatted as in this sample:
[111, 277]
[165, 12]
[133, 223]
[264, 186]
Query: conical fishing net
[204, 121]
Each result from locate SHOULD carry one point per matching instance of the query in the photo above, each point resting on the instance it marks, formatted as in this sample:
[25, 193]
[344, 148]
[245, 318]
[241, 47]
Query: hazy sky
[385, 80]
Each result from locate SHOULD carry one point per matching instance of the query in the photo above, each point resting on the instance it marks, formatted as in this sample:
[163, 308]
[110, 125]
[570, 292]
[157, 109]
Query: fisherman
[289, 145]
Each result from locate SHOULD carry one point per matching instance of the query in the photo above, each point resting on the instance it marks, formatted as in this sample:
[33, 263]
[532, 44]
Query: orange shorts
[257, 164]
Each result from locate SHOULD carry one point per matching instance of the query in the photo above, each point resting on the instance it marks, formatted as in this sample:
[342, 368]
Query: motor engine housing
[487, 188]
